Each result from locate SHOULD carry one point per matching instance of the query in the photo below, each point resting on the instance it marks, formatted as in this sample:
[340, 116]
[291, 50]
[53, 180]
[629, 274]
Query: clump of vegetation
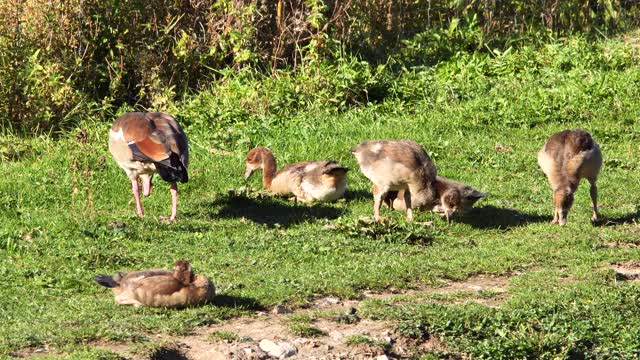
[360, 340]
[348, 317]
[305, 330]
[389, 231]
[301, 325]
[223, 336]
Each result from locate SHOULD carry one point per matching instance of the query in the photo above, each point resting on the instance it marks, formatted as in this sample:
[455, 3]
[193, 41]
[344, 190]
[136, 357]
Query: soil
[627, 271]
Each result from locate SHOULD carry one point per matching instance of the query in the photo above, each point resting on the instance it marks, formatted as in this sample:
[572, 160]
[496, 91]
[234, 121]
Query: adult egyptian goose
[451, 197]
[306, 181]
[168, 288]
[394, 165]
[147, 143]
[567, 157]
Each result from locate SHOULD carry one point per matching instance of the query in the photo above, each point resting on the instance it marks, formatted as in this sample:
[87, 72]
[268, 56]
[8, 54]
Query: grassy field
[67, 214]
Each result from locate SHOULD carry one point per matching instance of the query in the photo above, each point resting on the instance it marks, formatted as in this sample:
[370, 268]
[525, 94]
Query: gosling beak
[448, 214]
[248, 173]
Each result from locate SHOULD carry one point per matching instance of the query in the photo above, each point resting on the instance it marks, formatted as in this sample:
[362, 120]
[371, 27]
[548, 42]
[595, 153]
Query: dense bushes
[63, 60]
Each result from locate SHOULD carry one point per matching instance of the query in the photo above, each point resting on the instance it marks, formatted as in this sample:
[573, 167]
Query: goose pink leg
[136, 195]
[174, 201]
[146, 185]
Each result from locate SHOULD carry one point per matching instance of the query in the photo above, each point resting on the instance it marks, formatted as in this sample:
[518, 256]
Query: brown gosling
[395, 165]
[452, 197]
[567, 157]
[306, 181]
[164, 288]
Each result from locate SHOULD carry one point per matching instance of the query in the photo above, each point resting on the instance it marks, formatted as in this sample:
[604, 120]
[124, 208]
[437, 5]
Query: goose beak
[248, 173]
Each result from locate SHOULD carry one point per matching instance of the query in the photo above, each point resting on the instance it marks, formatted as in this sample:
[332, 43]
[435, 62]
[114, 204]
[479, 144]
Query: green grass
[301, 325]
[355, 340]
[223, 336]
[67, 215]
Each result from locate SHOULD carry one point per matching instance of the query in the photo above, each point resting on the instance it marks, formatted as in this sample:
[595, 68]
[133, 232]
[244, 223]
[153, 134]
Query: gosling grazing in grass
[451, 197]
[567, 157]
[394, 165]
[147, 143]
[167, 288]
[306, 181]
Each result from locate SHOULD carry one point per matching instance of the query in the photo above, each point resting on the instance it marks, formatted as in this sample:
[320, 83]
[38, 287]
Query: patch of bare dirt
[627, 271]
[32, 352]
[475, 285]
[622, 245]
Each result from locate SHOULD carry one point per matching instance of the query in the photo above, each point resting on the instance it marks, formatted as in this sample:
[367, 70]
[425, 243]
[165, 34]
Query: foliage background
[61, 61]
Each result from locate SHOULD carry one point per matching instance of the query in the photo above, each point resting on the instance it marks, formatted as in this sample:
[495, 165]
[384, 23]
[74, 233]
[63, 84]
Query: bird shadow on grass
[267, 210]
[237, 302]
[359, 194]
[630, 218]
[491, 217]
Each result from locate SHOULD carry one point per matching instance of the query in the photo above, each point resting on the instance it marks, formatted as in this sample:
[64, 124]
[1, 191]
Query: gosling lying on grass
[306, 181]
[165, 288]
[567, 157]
[451, 197]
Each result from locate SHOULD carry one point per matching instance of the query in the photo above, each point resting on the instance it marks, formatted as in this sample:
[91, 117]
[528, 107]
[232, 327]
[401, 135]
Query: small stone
[248, 350]
[328, 301]
[336, 335]
[281, 350]
[287, 350]
[270, 347]
[280, 309]
[388, 339]
[382, 357]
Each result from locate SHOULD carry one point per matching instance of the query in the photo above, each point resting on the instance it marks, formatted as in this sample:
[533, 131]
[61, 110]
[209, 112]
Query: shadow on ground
[491, 217]
[630, 218]
[237, 302]
[168, 353]
[359, 194]
[266, 210]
